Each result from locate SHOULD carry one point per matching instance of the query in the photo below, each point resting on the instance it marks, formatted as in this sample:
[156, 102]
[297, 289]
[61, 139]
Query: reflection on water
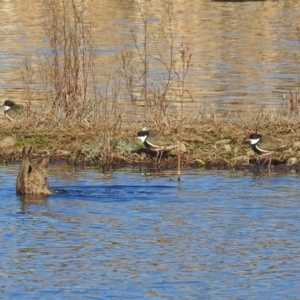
[243, 51]
[125, 235]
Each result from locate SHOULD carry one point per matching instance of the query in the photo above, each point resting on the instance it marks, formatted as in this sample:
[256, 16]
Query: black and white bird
[264, 146]
[12, 110]
[157, 142]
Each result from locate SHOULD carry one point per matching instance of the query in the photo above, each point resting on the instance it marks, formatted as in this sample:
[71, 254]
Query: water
[131, 235]
[245, 54]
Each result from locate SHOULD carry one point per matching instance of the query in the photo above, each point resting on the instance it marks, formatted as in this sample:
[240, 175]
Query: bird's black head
[9, 103]
[255, 136]
[143, 133]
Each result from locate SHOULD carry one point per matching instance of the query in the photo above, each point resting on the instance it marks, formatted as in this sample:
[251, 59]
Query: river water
[135, 234]
[245, 54]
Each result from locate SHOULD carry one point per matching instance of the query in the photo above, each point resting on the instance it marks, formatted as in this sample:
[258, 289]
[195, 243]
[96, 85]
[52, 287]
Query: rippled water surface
[131, 235]
[245, 54]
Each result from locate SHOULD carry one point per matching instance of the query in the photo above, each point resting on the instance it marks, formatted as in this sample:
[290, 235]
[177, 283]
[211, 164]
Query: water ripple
[125, 235]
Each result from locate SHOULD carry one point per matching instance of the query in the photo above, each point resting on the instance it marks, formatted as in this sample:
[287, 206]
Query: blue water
[135, 235]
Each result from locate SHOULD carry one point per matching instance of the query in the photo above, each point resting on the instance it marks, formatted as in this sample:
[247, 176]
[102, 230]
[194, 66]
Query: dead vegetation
[209, 142]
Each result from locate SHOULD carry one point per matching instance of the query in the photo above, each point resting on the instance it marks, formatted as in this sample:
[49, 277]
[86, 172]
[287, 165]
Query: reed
[67, 70]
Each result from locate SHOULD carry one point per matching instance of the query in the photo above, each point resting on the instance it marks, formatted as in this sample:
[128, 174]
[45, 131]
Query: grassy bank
[209, 142]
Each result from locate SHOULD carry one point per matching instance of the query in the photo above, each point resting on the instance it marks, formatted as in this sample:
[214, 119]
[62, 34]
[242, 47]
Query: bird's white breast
[142, 138]
[254, 141]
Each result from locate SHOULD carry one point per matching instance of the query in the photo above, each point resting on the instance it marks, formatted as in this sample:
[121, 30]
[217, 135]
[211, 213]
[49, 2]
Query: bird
[12, 110]
[32, 178]
[264, 146]
[156, 141]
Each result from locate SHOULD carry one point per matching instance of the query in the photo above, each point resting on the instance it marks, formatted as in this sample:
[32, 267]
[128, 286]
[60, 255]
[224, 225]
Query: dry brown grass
[209, 142]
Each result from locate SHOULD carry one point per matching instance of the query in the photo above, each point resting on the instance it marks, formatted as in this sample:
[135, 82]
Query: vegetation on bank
[218, 143]
[88, 117]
